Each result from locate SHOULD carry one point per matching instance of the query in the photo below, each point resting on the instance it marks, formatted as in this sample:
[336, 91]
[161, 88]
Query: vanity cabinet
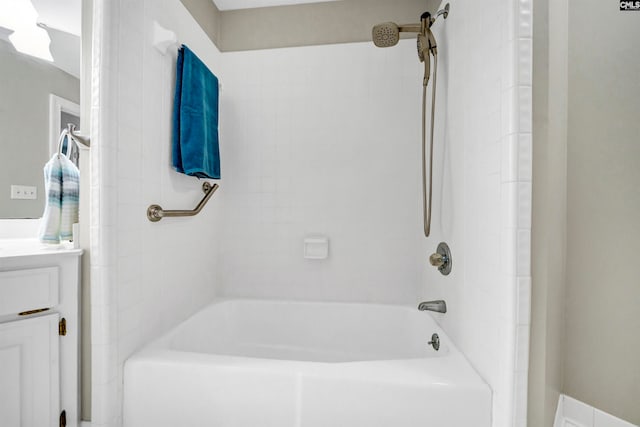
[29, 371]
[39, 336]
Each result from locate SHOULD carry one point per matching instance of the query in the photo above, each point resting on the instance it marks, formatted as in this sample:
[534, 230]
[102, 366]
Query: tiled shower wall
[146, 276]
[322, 140]
[483, 193]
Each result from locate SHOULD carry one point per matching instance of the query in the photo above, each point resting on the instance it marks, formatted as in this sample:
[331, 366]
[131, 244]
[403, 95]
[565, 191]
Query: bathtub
[261, 363]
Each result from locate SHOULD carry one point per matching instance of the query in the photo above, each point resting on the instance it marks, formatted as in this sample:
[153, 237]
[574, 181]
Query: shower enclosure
[318, 140]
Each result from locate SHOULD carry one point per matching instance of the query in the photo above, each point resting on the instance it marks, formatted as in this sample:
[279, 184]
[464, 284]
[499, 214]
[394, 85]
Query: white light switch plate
[24, 192]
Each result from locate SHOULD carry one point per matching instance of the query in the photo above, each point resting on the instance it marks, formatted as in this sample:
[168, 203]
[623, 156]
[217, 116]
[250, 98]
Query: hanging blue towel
[195, 118]
[62, 186]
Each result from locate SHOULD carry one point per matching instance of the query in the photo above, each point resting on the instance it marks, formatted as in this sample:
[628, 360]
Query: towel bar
[155, 213]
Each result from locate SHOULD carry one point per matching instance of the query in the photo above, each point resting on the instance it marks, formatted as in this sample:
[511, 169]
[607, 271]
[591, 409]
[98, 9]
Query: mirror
[38, 97]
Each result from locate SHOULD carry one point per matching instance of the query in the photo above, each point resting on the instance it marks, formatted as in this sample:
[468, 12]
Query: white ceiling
[250, 4]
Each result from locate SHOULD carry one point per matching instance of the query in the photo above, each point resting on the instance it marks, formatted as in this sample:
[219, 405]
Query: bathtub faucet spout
[438, 306]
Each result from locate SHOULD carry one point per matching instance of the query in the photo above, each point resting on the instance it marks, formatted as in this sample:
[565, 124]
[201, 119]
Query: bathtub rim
[459, 371]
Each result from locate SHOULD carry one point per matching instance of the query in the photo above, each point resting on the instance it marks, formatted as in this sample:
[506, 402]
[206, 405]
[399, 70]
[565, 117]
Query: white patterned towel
[62, 185]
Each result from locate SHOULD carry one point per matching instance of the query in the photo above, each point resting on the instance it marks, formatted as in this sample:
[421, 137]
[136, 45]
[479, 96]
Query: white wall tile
[524, 301]
[525, 68]
[133, 299]
[331, 159]
[573, 413]
[525, 19]
[524, 109]
[523, 267]
[525, 157]
[574, 410]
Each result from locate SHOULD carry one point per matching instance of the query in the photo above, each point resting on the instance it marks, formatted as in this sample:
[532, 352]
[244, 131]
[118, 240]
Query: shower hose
[427, 197]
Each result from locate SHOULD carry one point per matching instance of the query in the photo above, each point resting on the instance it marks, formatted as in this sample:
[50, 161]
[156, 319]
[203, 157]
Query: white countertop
[30, 247]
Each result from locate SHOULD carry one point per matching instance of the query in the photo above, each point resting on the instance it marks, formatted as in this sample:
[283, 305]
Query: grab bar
[155, 213]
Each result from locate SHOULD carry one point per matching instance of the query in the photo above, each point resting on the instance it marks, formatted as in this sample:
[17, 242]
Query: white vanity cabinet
[39, 335]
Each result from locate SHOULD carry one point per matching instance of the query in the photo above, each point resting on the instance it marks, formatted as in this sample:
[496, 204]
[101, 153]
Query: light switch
[24, 192]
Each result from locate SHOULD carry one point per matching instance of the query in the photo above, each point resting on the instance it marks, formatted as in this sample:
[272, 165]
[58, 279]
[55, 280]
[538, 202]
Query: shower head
[387, 34]
[423, 47]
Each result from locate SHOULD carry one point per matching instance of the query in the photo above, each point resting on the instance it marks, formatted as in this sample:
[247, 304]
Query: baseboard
[573, 413]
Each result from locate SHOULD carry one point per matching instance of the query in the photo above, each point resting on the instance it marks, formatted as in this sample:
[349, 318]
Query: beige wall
[317, 23]
[549, 209]
[207, 16]
[304, 24]
[602, 357]
[585, 338]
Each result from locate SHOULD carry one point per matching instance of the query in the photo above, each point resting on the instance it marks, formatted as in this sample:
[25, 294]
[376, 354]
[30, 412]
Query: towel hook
[70, 133]
[80, 139]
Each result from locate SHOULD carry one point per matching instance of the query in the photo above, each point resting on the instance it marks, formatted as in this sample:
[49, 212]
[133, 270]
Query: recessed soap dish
[316, 247]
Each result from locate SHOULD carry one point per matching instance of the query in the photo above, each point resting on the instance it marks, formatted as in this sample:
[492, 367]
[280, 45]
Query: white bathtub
[259, 363]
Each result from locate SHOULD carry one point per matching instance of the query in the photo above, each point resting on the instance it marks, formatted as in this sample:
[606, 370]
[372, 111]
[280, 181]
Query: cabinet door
[29, 372]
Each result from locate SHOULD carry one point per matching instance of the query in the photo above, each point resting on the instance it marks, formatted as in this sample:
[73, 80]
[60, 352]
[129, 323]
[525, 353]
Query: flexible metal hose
[427, 197]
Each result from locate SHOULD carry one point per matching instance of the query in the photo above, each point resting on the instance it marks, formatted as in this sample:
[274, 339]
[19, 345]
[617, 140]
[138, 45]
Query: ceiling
[251, 4]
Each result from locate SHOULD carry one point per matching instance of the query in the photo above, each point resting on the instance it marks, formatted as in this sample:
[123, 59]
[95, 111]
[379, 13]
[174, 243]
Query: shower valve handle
[441, 259]
[437, 260]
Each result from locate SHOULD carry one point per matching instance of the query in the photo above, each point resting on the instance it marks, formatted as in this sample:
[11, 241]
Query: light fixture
[21, 17]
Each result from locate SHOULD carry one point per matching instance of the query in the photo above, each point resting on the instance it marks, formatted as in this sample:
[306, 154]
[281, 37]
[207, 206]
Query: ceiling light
[21, 17]
[34, 42]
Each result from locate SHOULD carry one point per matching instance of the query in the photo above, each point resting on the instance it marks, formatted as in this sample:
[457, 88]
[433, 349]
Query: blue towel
[195, 118]
[62, 186]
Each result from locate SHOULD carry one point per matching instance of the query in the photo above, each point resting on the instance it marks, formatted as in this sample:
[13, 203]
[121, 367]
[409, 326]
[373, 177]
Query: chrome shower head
[386, 34]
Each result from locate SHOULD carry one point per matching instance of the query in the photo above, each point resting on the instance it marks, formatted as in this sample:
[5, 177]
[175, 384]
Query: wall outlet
[24, 192]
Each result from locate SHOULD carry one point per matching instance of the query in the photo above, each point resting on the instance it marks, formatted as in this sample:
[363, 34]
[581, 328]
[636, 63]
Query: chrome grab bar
[155, 213]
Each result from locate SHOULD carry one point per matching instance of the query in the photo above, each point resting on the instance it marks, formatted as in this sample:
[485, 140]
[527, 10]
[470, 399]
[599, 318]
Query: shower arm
[444, 12]
[410, 28]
